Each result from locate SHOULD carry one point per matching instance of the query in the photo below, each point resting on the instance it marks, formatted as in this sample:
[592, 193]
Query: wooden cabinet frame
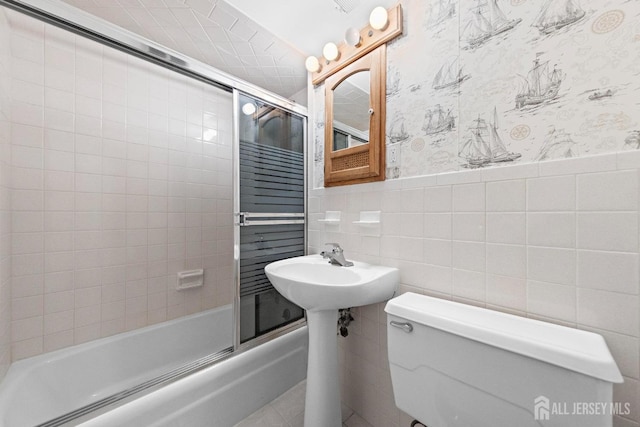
[366, 162]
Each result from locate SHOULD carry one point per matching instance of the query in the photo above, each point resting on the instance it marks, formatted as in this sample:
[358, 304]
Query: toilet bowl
[457, 365]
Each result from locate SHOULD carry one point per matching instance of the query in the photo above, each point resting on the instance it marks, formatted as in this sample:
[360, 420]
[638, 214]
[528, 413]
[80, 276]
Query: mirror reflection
[351, 118]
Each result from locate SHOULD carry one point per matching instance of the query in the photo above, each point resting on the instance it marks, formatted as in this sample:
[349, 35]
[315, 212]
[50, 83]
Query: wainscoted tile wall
[5, 198]
[121, 178]
[555, 241]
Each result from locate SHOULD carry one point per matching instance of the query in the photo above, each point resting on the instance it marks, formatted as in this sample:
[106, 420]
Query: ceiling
[262, 42]
[309, 24]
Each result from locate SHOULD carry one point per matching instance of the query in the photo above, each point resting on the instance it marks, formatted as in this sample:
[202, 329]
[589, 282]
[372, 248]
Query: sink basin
[314, 284]
[322, 288]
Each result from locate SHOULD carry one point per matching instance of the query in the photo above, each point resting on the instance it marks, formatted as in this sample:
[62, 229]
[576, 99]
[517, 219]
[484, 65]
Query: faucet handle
[336, 246]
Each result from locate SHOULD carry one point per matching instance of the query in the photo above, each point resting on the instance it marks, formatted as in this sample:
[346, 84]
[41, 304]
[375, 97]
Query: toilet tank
[457, 365]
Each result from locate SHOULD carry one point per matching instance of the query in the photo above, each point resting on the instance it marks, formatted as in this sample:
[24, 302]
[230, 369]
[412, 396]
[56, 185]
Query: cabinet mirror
[355, 121]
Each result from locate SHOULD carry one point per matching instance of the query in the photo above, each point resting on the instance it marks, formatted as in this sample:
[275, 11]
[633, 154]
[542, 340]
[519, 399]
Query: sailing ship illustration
[599, 95]
[488, 21]
[441, 10]
[558, 145]
[436, 121]
[397, 131]
[449, 75]
[557, 14]
[541, 84]
[632, 141]
[393, 82]
[485, 145]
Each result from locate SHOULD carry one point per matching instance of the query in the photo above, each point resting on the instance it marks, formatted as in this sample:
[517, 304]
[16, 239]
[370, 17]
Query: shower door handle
[259, 218]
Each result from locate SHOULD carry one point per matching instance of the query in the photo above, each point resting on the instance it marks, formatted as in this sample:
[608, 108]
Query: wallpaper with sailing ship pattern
[483, 83]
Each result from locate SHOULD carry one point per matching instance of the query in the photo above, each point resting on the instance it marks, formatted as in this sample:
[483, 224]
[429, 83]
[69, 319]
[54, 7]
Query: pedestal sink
[322, 288]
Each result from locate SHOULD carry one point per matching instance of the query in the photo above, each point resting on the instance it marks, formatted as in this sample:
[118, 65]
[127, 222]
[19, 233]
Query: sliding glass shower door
[270, 210]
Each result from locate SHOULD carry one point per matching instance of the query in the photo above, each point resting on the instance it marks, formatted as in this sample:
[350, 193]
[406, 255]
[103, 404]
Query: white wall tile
[508, 292]
[506, 228]
[59, 201]
[469, 284]
[25, 329]
[460, 177]
[469, 198]
[27, 222]
[30, 136]
[24, 308]
[609, 271]
[27, 243]
[551, 300]
[411, 224]
[437, 225]
[59, 161]
[551, 265]
[608, 310]
[469, 226]
[551, 229]
[610, 231]
[438, 252]
[58, 241]
[27, 200]
[27, 114]
[436, 278]
[608, 191]
[438, 199]
[507, 260]
[412, 200]
[411, 249]
[469, 256]
[551, 193]
[58, 140]
[603, 162]
[506, 196]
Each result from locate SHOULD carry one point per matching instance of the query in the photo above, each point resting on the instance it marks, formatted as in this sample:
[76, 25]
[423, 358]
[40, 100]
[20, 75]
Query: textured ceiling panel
[214, 32]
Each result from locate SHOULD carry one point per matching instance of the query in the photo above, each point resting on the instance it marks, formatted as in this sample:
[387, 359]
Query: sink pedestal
[322, 405]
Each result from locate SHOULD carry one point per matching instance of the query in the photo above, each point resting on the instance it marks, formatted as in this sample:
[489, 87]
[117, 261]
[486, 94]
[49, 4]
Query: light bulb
[330, 51]
[378, 18]
[352, 37]
[249, 108]
[312, 64]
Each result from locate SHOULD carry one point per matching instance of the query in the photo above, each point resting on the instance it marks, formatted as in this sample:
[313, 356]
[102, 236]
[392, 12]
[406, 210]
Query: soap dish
[331, 217]
[369, 218]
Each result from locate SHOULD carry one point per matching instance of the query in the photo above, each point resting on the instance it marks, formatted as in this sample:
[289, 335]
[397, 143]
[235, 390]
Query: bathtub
[43, 387]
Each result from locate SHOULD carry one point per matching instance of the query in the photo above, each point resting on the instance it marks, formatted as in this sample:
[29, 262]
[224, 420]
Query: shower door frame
[237, 345]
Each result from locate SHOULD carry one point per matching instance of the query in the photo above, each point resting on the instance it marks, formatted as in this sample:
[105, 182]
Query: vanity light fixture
[384, 25]
[379, 18]
[312, 64]
[330, 51]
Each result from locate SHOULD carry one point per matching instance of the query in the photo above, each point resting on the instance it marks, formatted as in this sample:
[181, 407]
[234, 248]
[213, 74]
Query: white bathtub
[40, 388]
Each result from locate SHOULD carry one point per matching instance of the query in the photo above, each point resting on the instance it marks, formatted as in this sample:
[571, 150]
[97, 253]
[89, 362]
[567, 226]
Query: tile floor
[288, 411]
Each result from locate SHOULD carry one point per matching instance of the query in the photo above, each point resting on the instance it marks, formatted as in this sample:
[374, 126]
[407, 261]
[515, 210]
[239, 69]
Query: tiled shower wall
[5, 198]
[121, 178]
[556, 241]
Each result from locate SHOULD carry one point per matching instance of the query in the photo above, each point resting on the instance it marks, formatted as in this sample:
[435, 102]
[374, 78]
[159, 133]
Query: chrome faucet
[336, 256]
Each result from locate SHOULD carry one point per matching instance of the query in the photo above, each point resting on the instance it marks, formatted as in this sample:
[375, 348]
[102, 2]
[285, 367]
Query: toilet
[456, 365]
